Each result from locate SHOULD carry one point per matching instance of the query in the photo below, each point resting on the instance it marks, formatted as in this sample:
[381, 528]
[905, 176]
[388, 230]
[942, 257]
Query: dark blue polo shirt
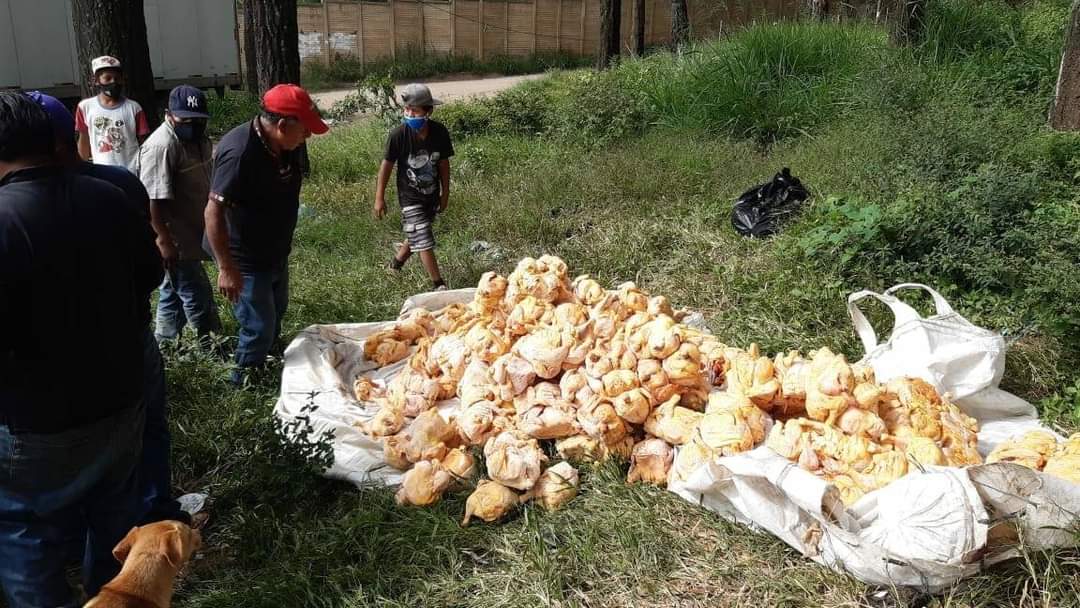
[261, 195]
[77, 265]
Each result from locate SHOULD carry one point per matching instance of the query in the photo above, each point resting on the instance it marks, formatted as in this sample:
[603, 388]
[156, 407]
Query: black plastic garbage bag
[760, 210]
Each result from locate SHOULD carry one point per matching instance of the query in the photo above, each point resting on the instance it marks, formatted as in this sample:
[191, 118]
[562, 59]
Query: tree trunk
[610, 22]
[819, 9]
[251, 71]
[277, 52]
[639, 27]
[907, 29]
[680, 24]
[1065, 115]
[117, 28]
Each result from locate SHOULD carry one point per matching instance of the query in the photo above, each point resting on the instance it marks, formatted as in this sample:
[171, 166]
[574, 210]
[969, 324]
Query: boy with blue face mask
[421, 149]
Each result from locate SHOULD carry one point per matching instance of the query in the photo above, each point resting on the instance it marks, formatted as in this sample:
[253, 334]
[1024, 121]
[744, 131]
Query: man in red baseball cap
[251, 216]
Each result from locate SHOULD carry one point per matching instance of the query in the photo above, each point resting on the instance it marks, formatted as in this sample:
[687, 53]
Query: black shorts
[416, 221]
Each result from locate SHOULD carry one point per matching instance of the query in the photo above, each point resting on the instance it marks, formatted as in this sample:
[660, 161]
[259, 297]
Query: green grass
[413, 64]
[924, 165]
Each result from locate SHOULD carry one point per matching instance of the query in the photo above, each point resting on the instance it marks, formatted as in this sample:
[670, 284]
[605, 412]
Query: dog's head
[172, 539]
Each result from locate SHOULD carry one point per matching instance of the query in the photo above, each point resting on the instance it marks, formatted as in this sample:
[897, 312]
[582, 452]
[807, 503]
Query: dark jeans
[155, 473]
[52, 487]
[264, 298]
[185, 296]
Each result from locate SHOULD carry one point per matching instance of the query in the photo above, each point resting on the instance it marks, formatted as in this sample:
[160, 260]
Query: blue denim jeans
[155, 472]
[185, 296]
[53, 486]
[264, 298]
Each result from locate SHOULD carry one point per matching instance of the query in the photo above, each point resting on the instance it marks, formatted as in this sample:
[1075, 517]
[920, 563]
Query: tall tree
[680, 24]
[639, 27]
[117, 28]
[610, 22]
[251, 71]
[1066, 112]
[277, 52]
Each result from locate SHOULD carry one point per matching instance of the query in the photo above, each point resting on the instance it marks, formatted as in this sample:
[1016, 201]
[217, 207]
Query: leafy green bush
[226, 112]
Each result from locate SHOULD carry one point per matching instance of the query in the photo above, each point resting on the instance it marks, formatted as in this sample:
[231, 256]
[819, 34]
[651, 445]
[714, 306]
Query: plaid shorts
[416, 221]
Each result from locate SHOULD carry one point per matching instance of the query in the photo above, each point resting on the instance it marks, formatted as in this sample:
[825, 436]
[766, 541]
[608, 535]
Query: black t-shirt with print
[417, 161]
[261, 195]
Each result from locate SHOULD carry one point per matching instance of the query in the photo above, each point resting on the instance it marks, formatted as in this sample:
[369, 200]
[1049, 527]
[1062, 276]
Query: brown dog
[152, 555]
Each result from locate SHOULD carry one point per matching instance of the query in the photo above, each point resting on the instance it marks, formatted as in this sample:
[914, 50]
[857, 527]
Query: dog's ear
[172, 547]
[121, 550]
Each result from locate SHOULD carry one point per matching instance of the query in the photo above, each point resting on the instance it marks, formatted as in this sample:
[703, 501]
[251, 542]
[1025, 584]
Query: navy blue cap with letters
[186, 101]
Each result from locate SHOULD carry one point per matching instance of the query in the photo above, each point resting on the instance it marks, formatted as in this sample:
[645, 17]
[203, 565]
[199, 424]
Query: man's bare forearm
[384, 177]
[217, 233]
[157, 220]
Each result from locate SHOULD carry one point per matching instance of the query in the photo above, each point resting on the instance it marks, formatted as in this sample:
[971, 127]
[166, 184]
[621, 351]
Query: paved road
[445, 90]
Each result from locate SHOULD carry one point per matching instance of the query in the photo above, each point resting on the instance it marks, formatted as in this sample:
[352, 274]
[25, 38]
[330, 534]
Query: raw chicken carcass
[549, 421]
[792, 371]
[724, 433]
[599, 419]
[491, 501]
[672, 423]
[652, 377]
[526, 315]
[364, 389]
[689, 457]
[460, 464]
[430, 437]
[587, 291]
[476, 384]
[684, 367]
[1032, 450]
[924, 451]
[450, 355]
[385, 347]
[485, 345]
[581, 448]
[1065, 465]
[387, 421]
[855, 421]
[650, 462]
[633, 406]
[632, 299]
[829, 385]
[512, 374]
[514, 459]
[659, 305]
[423, 484]
[478, 421]
[545, 349]
[752, 375]
[555, 487]
[490, 291]
[617, 382]
[573, 385]
[395, 451]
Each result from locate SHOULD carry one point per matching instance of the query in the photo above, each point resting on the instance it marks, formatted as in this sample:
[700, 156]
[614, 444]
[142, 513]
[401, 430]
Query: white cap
[104, 62]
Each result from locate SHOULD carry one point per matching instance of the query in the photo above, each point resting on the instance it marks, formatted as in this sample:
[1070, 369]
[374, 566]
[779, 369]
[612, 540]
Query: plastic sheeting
[925, 530]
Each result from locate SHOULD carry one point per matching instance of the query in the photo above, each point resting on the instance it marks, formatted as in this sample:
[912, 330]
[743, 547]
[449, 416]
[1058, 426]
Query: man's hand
[230, 283]
[444, 201]
[169, 254]
[380, 208]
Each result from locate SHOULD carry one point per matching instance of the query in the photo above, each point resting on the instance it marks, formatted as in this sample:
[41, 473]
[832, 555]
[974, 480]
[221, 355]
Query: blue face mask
[414, 122]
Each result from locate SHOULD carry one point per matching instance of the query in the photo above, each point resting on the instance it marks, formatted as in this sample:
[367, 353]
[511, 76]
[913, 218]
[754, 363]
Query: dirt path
[444, 90]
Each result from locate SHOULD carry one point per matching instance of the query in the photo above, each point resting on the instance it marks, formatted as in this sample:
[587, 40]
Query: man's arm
[165, 243]
[385, 169]
[84, 145]
[217, 233]
[444, 179]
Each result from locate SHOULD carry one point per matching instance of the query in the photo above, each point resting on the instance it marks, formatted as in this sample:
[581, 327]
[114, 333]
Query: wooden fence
[486, 28]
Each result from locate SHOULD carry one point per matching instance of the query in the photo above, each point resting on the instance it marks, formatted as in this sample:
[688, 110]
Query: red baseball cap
[291, 100]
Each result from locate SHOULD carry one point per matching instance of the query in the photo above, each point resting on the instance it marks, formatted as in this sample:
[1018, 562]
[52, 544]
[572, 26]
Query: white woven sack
[948, 351]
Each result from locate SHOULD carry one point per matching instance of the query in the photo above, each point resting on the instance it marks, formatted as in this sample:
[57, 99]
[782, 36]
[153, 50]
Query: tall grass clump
[766, 83]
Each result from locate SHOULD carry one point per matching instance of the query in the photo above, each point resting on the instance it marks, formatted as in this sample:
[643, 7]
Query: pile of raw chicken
[1041, 451]
[536, 357]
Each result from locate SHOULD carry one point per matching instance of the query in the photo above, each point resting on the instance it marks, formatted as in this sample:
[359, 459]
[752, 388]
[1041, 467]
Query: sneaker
[441, 287]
